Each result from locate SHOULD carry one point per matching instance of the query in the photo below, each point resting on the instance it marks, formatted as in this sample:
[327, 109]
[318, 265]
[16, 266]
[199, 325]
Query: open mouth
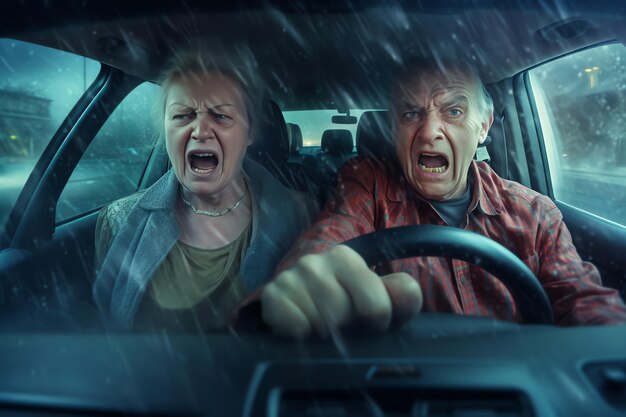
[432, 163]
[203, 162]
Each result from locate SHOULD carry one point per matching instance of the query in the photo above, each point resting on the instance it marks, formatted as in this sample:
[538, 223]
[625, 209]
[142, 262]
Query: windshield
[448, 176]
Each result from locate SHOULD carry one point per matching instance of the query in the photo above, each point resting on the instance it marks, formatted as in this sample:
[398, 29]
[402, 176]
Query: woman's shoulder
[116, 213]
[110, 220]
[157, 196]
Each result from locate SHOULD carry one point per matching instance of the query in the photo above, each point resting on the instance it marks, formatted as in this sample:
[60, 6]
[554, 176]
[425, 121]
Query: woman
[183, 253]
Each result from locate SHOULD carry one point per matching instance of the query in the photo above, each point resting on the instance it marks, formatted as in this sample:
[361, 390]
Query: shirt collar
[162, 194]
[485, 195]
[397, 187]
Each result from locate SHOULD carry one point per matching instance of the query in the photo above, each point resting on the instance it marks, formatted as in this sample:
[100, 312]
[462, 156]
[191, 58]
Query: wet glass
[581, 101]
[115, 160]
[38, 88]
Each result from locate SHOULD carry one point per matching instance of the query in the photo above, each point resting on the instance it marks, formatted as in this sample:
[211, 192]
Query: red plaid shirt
[526, 222]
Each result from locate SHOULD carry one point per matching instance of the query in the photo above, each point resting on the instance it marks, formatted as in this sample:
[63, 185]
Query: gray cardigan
[144, 233]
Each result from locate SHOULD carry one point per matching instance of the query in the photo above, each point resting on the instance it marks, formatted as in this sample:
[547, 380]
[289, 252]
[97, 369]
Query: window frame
[149, 162]
[32, 221]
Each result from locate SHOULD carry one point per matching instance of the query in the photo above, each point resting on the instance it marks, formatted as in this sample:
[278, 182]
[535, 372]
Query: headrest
[271, 142]
[337, 141]
[295, 138]
[374, 138]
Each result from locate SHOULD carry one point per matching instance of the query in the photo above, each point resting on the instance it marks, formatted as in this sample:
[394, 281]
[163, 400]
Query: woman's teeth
[203, 163]
[202, 171]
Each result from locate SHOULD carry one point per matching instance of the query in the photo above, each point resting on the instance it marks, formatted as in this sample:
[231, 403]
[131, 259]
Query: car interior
[57, 357]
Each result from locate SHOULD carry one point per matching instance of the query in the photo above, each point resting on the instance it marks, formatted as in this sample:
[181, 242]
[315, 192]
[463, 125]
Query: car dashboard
[438, 365]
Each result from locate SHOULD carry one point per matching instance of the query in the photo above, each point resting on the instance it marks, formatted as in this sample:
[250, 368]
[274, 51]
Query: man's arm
[322, 286]
[573, 286]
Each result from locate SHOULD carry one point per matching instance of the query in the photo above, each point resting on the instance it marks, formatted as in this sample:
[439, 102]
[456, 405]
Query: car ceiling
[319, 54]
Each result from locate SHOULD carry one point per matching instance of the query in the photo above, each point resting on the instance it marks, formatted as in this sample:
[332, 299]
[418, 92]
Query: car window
[115, 160]
[313, 123]
[38, 88]
[581, 102]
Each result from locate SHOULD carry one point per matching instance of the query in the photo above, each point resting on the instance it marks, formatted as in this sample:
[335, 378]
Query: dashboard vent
[609, 379]
[402, 402]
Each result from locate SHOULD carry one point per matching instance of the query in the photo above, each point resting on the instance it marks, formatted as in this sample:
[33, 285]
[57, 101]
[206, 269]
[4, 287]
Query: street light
[593, 76]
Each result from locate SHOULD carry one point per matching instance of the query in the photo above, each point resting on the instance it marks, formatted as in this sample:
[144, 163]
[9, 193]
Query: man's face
[439, 121]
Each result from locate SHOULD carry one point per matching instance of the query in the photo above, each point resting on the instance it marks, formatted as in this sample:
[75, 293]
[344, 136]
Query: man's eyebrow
[411, 106]
[459, 98]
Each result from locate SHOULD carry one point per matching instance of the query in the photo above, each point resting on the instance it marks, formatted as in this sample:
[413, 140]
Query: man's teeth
[437, 170]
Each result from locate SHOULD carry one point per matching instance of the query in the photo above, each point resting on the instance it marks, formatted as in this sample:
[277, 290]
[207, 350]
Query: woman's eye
[183, 116]
[219, 116]
[222, 119]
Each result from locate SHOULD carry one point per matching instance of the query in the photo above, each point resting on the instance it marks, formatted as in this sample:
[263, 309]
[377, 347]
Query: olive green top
[144, 231]
[194, 289]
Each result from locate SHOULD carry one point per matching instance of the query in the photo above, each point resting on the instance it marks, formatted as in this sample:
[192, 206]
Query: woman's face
[206, 131]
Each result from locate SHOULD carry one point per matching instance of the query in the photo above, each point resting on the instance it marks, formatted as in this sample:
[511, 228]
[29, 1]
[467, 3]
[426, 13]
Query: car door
[98, 151]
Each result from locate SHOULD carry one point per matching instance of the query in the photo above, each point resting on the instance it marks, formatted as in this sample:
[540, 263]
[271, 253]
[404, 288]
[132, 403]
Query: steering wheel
[450, 242]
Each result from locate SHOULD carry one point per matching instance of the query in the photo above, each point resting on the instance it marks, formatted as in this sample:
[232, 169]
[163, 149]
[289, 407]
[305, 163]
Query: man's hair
[410, 69]
[238, 66]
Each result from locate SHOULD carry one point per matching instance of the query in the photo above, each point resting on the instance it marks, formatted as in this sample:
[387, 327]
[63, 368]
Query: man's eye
[183, 116]
[455, 112]
[410, 115]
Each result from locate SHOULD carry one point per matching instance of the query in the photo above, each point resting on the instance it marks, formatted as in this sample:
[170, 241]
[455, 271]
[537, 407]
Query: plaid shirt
[525, 222]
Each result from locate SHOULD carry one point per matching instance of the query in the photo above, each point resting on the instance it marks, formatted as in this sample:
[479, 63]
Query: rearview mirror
[344, 120]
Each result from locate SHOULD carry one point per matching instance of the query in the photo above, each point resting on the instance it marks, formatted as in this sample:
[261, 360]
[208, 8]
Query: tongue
[203, 162]
[433, 161]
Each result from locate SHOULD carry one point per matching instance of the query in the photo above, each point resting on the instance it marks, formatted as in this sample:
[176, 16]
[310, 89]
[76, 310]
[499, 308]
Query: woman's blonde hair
[238, 64]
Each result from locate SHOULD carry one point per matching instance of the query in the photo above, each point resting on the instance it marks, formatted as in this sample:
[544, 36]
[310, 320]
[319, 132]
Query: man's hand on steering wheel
[336, 289]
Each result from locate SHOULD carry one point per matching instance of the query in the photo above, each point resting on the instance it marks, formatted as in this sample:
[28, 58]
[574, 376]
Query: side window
[116, 158]
[581, 101]
[38, 88]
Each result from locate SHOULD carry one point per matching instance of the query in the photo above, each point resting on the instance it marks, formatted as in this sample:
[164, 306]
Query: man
[440, 114]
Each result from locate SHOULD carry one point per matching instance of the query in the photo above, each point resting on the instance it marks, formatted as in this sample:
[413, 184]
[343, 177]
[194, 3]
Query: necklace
[212, 213]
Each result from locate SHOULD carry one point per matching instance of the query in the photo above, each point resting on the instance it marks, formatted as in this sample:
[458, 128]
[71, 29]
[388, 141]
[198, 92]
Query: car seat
[336, 149]
[374, 139]
[295, 146]
[271, 149]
